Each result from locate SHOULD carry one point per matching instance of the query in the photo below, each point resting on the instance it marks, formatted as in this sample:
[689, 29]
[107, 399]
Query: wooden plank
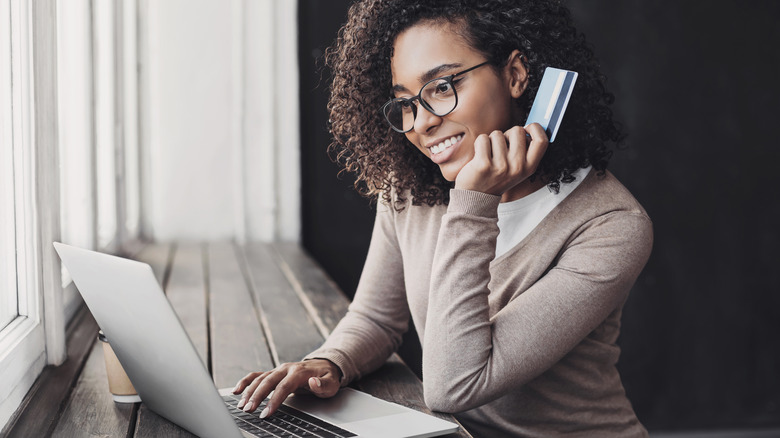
[319, 294]
[395, 382]
[40, 410]
[292, 328]
[238, 341]
[151, 425]
[90, 410]
[186, 291]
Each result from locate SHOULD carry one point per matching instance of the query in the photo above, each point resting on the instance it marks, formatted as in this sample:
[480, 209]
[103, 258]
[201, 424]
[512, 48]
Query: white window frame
[94, 45]
[37, 335]
[7, 209]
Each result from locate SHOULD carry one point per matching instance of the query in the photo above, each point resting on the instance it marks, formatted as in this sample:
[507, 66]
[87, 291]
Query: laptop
[164, 367]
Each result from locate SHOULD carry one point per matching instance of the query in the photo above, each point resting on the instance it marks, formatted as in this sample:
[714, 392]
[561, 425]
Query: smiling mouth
[446, 144]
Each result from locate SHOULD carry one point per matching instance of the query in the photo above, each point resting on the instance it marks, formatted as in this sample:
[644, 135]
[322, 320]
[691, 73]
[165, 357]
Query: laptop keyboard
[286, 422]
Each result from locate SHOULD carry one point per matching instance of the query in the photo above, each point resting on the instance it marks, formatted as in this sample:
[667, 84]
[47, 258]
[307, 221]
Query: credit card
[551, 100]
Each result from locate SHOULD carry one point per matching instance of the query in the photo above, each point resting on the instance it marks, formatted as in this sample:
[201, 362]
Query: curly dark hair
[542, 30]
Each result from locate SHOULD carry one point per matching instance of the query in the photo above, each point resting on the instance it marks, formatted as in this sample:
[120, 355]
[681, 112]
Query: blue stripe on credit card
[551, 100]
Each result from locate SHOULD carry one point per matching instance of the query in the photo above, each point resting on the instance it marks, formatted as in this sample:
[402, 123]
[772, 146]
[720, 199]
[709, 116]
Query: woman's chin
[449, 172]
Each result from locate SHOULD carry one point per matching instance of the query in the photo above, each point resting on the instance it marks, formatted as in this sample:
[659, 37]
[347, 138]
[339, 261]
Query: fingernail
[235, 389]
[317, 382]
[264, 413]
[248, 406]
[241, 403]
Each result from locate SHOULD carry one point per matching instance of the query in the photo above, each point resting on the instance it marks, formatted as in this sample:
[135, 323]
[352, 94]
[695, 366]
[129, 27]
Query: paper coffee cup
[118, 383]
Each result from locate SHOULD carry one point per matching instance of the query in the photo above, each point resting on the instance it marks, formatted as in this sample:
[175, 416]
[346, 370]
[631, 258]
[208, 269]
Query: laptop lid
[150, 342]
[163, 364]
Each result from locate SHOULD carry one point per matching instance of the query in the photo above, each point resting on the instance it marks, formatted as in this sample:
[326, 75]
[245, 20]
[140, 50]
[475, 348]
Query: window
[106, 122]
[8, 296]
[22, 336]
[92, 116]
[98, 141]
[63, 72]
[75, 125]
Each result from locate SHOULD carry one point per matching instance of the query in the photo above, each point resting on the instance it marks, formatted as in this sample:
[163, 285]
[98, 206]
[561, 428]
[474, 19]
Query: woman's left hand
[503, 159]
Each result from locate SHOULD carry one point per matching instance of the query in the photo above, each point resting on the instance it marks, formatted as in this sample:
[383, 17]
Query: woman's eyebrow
[428, 75]
[437, 71]
[398, 88]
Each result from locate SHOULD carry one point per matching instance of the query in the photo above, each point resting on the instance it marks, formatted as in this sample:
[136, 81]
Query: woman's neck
[522, 190]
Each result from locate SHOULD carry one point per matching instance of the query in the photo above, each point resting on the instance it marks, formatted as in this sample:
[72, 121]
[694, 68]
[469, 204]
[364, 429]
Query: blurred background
[204, 120]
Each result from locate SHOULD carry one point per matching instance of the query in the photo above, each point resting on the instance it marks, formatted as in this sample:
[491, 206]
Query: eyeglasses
[438, 96]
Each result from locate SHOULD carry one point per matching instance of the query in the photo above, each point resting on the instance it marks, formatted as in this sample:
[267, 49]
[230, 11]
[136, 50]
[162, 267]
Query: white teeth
[435, 149]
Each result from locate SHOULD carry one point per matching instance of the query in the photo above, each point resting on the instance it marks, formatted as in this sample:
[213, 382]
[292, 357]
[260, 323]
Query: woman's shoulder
[599, 220]
[601, 193]
[600, 202]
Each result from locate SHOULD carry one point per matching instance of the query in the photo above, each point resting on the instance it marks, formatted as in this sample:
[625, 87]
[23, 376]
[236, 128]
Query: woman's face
[485, 101]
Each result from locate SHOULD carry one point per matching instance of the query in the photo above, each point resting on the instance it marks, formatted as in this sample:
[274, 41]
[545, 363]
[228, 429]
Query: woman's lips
[443, 151]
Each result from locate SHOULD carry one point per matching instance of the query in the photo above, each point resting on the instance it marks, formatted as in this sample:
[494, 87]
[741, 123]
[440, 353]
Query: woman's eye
[444, 87]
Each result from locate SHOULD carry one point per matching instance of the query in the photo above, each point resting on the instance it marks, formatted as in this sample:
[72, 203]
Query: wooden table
[246, 308]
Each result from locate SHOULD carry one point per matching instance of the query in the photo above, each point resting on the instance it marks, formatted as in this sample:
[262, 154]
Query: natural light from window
[8, 295]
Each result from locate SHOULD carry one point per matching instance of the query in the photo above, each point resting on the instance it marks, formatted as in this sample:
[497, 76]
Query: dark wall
[696, 86]
[337, 222]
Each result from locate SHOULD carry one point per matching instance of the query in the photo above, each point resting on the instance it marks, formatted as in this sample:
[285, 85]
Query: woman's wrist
[334, 369]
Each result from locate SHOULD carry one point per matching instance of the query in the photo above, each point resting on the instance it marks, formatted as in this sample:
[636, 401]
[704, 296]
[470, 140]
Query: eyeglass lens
[437, 96]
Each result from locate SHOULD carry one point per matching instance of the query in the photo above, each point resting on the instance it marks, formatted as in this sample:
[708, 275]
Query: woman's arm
[378, 316]
[535, 330]
[361, 342]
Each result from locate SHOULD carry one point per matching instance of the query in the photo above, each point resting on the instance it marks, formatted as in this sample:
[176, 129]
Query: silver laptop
[161, 361]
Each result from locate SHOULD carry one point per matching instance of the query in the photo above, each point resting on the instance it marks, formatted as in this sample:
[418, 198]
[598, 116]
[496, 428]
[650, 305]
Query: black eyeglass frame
[425, 104]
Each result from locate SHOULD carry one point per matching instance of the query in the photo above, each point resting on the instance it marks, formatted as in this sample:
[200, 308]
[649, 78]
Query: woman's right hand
[503, 160]
[320, 377]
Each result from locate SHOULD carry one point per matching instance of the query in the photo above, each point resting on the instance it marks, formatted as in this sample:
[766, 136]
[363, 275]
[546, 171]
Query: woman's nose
[425, 120]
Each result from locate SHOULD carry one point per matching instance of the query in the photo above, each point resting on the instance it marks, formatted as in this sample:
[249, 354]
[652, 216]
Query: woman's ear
[518, 75]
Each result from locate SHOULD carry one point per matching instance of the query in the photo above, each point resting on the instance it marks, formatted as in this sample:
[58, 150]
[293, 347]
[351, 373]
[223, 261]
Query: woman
[512, 257]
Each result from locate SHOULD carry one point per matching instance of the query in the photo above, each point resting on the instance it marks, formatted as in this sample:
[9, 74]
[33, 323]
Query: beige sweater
[523, 345]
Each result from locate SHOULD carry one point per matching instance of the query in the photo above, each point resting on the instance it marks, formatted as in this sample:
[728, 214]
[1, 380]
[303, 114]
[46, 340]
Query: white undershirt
[516, 219]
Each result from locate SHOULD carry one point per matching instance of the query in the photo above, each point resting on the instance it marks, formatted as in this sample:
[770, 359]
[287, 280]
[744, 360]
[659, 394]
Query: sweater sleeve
[378, 316]
[591, 278]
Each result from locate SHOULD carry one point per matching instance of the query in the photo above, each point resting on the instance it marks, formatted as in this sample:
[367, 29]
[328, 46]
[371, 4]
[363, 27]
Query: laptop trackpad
[345, 407]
